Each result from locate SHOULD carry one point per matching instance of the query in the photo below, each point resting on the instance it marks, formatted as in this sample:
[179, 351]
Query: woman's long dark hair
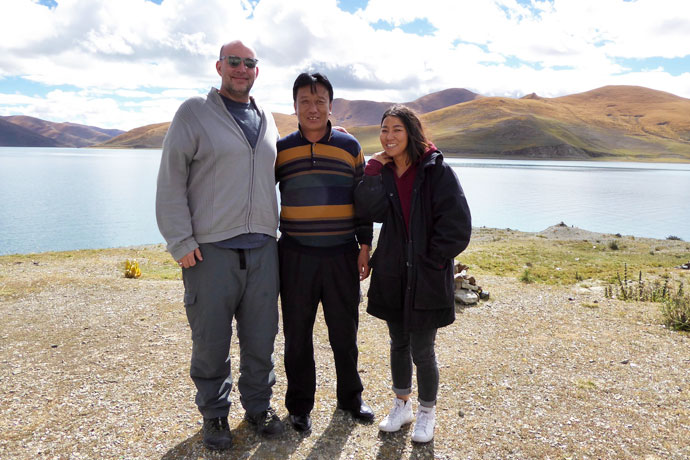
[417, 143]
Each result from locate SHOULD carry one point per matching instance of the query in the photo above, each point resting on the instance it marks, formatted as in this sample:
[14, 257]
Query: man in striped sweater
[323, 248]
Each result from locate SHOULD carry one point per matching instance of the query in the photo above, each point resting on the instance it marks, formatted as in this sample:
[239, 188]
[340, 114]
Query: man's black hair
[311, 80]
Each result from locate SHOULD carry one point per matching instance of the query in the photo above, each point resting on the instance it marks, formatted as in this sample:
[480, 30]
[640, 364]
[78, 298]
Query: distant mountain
[285, 123]
[144, 137]
[613, 122]
[151, 136]
[12, 135]
[345, 113]
[363, 113]
[64, 134]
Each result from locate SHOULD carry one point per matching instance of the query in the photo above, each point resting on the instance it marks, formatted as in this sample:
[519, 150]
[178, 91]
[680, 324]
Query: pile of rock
[467, 292]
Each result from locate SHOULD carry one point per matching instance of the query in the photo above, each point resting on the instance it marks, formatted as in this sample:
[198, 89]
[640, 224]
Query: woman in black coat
[426, 223]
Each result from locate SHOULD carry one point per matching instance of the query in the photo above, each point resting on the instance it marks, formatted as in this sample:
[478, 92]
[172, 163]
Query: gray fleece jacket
[211, 184]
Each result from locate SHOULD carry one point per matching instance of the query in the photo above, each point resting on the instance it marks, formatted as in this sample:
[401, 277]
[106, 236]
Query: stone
[466, 297]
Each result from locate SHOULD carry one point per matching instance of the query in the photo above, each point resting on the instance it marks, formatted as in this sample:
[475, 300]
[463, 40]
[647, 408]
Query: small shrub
[640, 290]
[676, 311]
[526, 277]
[613, 246]
[674, 238]
[132, 269]
[618, 235]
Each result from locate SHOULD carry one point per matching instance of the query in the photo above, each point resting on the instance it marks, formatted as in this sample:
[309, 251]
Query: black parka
[412, 277]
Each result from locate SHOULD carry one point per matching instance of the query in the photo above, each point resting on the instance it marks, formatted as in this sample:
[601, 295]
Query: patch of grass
[154, 261]
[526, 277]
[503, 254]
[640, 290]
[675, 311]
[586, 384]
[591, 305]
[613, 246]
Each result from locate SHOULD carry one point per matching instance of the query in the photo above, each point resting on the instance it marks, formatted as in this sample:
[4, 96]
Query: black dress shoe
[300, 422]
[363, 412]
[216, 433]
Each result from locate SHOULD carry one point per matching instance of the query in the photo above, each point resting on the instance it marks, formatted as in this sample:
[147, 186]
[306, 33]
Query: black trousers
[305, 280]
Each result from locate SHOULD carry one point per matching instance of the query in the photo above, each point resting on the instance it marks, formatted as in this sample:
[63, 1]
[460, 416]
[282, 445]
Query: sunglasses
[234, 61]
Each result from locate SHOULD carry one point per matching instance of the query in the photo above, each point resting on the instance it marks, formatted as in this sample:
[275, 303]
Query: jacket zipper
[253, 167]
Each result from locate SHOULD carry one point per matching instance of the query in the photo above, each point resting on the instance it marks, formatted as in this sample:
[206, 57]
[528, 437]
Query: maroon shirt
[404, 184]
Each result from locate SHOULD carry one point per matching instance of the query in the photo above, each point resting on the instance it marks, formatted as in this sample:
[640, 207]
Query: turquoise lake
[55, 199]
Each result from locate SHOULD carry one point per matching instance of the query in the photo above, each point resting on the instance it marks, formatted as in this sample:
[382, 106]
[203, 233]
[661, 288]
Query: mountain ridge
[63, 134]
[611, 122]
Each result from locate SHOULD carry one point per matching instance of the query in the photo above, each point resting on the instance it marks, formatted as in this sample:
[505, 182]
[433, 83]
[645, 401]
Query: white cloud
[131, 62]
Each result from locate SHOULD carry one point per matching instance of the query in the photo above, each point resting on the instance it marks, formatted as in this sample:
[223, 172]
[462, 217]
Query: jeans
[417, 347]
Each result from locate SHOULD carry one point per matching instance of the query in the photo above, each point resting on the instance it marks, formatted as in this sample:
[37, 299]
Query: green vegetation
[676, 311]
[526, 278]
[538, 259]
[586, 384]
[675, 306]
[567, 262]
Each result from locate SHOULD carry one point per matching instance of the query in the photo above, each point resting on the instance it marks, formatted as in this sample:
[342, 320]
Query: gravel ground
[95, 366]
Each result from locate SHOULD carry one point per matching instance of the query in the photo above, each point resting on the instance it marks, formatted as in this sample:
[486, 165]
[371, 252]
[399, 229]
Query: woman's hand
[381, 157]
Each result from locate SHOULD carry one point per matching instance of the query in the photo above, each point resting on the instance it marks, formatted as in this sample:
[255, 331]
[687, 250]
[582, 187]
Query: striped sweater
[317, 182]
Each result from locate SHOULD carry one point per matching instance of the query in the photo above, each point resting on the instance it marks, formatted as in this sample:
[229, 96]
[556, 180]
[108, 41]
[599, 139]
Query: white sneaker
[426, 421]
[400, 414]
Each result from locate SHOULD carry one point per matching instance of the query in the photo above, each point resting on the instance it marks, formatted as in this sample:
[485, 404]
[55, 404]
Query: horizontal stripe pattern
[317, 182]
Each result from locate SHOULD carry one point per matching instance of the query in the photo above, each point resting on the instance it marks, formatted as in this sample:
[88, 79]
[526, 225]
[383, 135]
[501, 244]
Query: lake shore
[540, 157]
[94, 365]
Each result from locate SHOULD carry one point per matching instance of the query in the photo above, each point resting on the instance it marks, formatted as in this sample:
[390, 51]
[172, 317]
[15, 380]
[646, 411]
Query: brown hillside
[285, 123]
[613, 122]
[151, 136]
[363, 113]
[144, 137]
[13, 135]
[640, 110]
[532, 96]
[624, 123]
[65, 134]
[441, 99]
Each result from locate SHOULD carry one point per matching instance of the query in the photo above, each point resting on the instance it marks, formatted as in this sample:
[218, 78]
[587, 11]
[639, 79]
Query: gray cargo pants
[227, 284]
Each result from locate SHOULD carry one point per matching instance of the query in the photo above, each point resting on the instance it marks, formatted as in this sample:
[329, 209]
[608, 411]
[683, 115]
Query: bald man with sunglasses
[216, 207]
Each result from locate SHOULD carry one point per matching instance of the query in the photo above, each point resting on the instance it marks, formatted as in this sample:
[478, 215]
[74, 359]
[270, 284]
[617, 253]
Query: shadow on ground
[248, 445]
[394, 446]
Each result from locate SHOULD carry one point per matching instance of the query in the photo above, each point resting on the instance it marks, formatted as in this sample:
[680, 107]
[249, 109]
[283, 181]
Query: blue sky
[126, 63]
